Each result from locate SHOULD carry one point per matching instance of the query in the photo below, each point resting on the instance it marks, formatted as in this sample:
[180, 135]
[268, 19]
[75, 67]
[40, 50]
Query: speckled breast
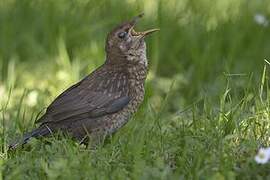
[136, 81]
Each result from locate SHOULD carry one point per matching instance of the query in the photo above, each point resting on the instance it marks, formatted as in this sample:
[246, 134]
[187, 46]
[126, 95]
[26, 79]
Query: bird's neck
[134, 70]
[133, 63]
[133, 75]
[131, 57]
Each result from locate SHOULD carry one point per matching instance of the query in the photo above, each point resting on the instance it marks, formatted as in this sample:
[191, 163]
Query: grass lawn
[207, 105]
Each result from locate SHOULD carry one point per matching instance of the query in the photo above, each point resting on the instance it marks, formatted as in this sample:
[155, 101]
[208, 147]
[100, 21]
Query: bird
[104, 101]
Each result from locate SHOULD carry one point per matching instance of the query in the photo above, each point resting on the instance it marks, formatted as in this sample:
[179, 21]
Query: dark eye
[122, 35]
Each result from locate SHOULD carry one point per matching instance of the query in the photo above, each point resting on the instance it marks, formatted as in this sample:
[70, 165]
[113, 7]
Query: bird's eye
[122, 35]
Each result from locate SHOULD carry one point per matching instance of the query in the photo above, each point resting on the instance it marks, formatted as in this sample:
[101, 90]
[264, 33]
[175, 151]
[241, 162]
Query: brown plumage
[103, 101]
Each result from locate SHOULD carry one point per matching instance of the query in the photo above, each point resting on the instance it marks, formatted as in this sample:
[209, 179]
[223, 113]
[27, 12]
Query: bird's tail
[39, 132]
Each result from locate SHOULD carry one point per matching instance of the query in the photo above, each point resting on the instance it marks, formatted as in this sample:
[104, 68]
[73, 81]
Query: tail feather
[39, 132]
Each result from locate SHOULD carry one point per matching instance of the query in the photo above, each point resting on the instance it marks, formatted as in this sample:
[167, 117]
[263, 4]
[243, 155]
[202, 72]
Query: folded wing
[92, 97]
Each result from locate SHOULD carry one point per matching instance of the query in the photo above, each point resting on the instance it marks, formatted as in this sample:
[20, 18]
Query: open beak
[144, 33]
[140, 34]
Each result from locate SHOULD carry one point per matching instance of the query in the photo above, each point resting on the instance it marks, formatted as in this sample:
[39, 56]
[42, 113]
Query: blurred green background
[47, 45]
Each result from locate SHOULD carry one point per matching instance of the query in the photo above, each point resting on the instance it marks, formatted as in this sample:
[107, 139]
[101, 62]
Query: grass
[201, 142]
[206, 110]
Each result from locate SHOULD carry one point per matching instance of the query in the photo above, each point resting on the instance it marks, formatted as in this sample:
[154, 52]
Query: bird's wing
[94, 96]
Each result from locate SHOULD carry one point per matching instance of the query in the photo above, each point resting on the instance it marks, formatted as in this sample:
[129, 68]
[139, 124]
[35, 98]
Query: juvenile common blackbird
[103, 101]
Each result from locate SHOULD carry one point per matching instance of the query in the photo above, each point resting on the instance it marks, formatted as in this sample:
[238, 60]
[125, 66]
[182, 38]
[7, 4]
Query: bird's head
[124, 43]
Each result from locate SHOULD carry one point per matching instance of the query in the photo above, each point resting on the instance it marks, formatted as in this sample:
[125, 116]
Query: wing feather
[94, 96]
